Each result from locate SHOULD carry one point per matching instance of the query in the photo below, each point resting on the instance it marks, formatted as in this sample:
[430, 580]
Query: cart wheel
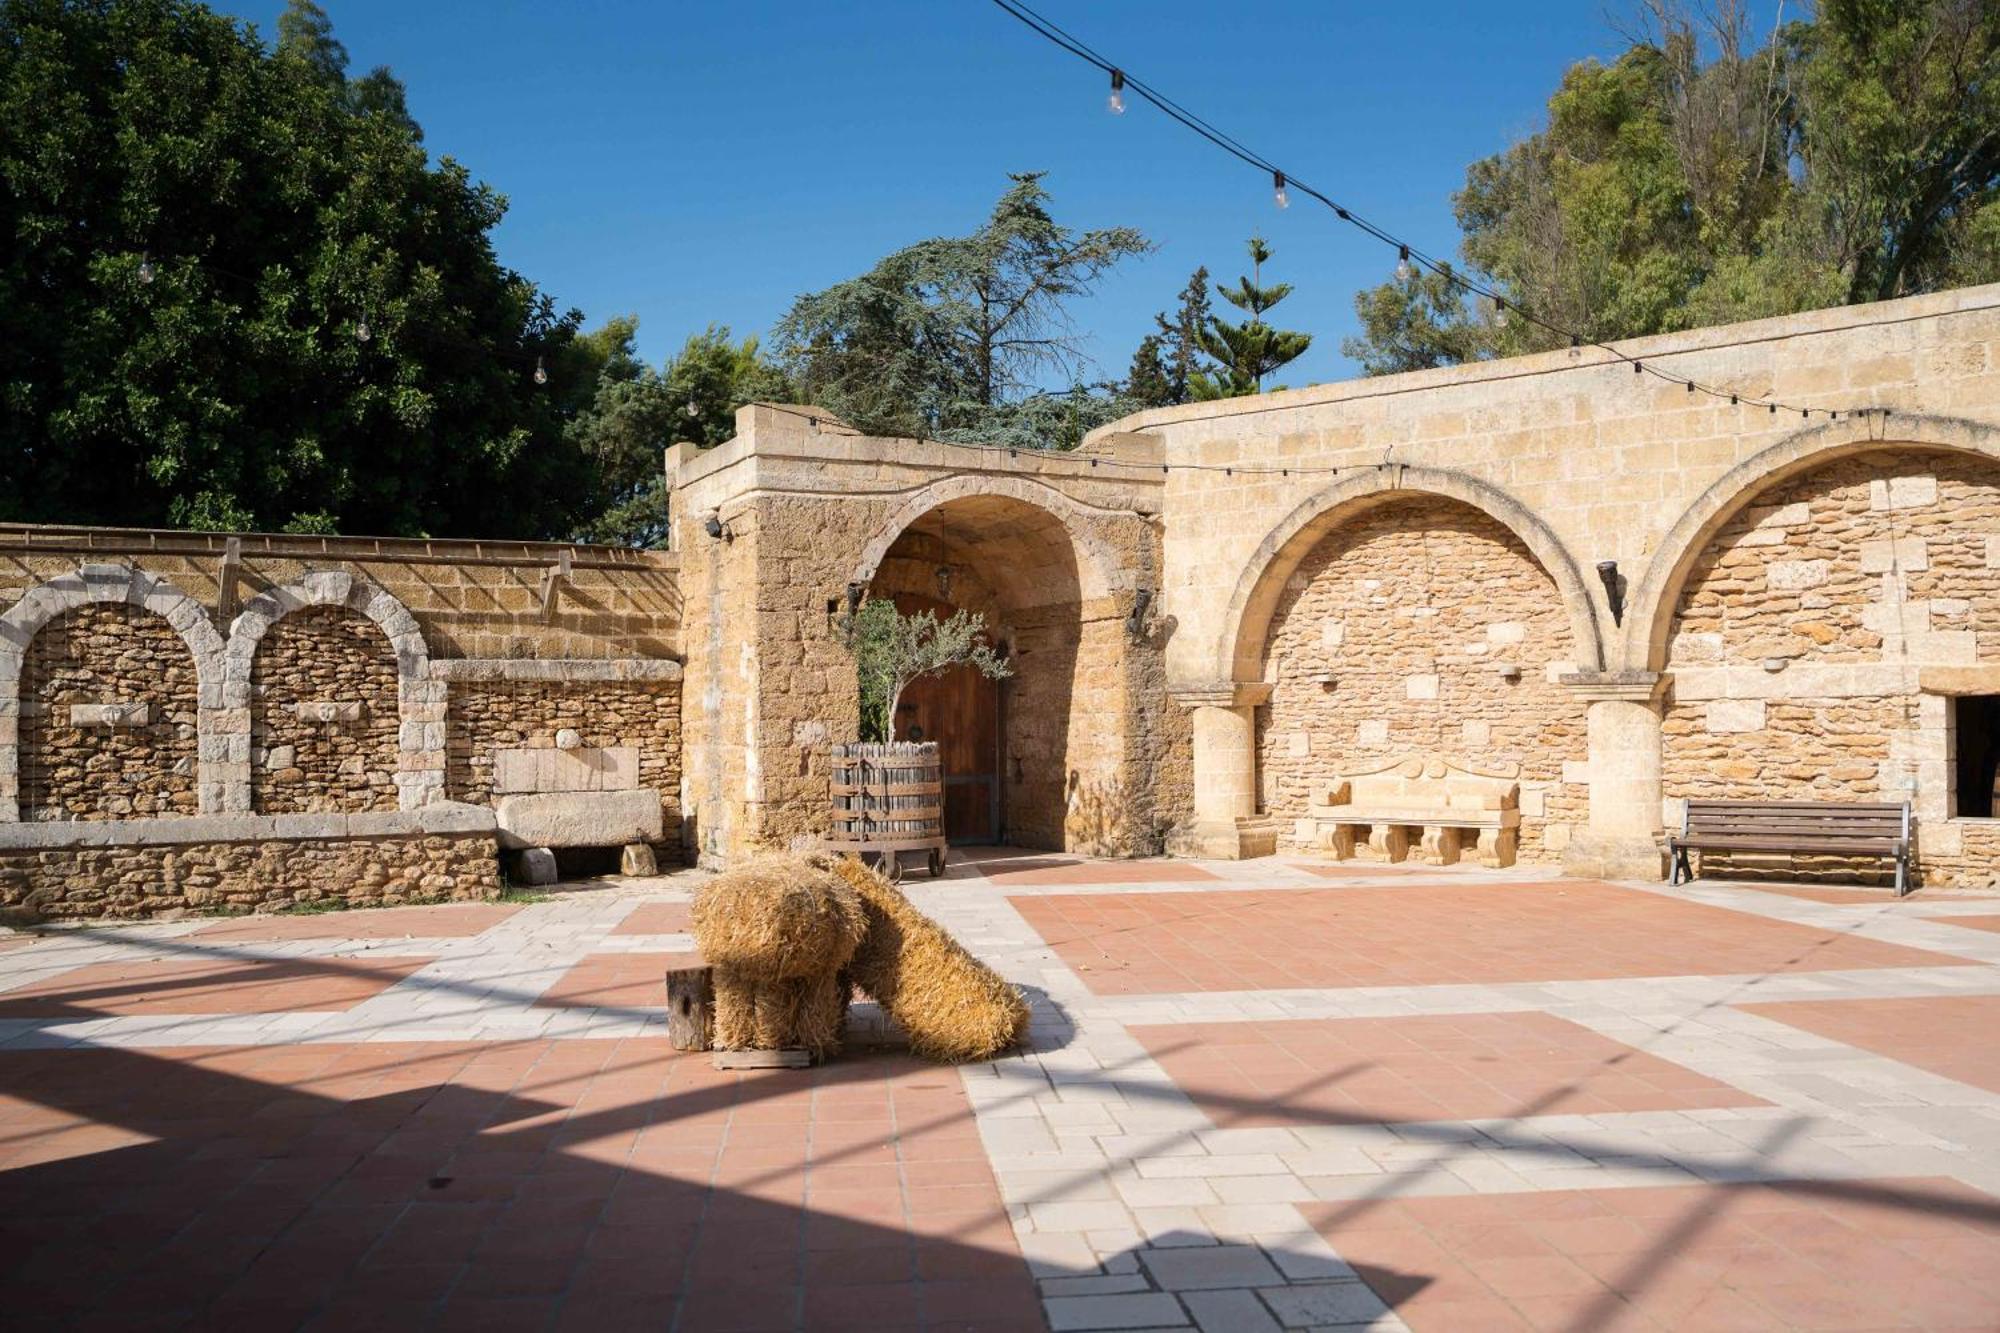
[937, 862]
[890, 866]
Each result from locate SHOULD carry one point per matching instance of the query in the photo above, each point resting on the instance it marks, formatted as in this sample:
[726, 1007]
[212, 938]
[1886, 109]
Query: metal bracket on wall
[552, 580]
[226, 604]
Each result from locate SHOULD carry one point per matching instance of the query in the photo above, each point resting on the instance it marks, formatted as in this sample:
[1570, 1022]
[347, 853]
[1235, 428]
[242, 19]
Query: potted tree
[888, 795]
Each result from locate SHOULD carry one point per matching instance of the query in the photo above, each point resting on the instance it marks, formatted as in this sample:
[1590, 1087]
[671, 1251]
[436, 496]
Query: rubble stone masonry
[324, 716]
[1422, 628]
[108, 702]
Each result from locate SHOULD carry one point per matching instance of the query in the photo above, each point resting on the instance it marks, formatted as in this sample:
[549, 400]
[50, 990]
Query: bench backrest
[1434, 784]
[1809, 821]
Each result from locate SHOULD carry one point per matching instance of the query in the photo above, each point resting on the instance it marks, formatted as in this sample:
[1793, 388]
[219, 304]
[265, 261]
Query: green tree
[199, 231]
[1167, 368]
[1245, 353]
[892, 651]
[942, 332]
[1700, 178]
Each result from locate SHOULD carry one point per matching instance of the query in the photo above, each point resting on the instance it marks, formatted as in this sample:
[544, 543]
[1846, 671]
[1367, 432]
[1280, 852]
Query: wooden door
[960, 710]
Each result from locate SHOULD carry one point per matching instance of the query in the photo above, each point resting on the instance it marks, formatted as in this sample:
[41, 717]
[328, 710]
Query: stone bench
[1451, 810]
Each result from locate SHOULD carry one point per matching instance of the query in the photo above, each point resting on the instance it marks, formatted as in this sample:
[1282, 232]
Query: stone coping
[563, 669]
[440, 817]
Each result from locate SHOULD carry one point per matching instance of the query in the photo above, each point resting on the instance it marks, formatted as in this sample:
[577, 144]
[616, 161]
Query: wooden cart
[888, 800]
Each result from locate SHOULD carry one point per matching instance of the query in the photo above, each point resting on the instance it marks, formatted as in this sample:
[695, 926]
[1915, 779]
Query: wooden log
[691, 1008]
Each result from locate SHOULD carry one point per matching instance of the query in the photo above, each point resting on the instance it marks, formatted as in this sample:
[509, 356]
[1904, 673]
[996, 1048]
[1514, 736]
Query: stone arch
[1097, 567]
[95, 584]
[1652, 602]
[1240, 650]
[420, 700]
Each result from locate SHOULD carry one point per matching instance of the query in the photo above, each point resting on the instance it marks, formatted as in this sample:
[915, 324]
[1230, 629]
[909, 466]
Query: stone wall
[1802, 638]
[324, 715]
[487, 717]
[108, 702]
[1422, 627]
[147, 868]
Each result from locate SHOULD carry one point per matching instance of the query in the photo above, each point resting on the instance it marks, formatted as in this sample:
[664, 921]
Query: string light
[1499, 313]
[541, 375]
[1278, 195]
[691, 411]
[362, 333]
[145, 268]
[1408, 257]
[1117, 99]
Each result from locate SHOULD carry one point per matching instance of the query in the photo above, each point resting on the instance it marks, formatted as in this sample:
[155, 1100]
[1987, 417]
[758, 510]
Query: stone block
[1375, 731]
[636, 858]
[326, 711]
[1896, 619]
[615, 768]
[1476, 735]
[1993, 551]
[1792, 575]
[1299, 744]
[1507, 632]
[110, 715]
[1726, 716]
[1333, 633]
[580, 819]
[1576, 772]
[1902, 492]
[1420, 687]
[1534, 803]
[536, 866]
[1908, 554]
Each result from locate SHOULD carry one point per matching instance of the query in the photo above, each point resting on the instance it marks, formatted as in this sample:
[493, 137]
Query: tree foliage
[198, 227]
[892, 651]
[1702, 177]
[1244, 353]
[1167, 368]
[942, 333]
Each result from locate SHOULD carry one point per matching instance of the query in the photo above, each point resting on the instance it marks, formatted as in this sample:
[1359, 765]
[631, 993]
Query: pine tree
[1249, 351]
[1147, 383]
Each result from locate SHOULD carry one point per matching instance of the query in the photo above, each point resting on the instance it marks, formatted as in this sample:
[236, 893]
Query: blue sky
[707, 162]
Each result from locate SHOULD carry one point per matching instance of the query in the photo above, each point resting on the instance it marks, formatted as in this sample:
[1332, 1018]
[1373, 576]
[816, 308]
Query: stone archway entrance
[1006, 746]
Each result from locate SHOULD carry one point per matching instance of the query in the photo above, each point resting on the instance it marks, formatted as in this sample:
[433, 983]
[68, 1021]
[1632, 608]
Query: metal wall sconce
[1614, 589]
[1135, 624]
[713, 525]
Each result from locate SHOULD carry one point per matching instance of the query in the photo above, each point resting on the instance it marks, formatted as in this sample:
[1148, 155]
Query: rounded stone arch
[116, 584]
[420, 699]
[1246, 624]
[1653, 601]
[1097, 566]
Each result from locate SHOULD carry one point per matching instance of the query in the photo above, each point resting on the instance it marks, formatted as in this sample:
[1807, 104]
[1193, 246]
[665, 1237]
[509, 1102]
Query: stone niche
[324, 715]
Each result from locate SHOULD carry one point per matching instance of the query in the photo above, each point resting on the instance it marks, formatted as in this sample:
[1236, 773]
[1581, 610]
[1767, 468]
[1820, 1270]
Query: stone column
[1623, 839]
[1226, 823]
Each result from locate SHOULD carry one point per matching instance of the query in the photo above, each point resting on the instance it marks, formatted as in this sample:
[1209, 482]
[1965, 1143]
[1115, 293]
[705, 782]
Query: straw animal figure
[952, 1006]
[778, 933]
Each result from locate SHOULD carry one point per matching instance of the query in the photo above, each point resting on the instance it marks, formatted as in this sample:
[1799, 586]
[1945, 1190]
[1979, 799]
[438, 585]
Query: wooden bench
[1828, 828]
[1450, 808]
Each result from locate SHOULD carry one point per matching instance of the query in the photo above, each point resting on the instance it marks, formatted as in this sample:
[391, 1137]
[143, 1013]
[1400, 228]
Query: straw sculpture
[778, 932]
[952, 1006]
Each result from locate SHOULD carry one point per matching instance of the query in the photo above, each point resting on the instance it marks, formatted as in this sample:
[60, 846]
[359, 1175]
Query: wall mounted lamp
[1135, 624]
[1614, 589]
[713, 525]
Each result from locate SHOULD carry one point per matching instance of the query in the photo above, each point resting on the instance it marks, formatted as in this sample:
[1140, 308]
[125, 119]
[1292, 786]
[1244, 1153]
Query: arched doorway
[1006, 746]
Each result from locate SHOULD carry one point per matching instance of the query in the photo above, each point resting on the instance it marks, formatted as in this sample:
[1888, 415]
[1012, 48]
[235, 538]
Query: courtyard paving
[1273, 1095]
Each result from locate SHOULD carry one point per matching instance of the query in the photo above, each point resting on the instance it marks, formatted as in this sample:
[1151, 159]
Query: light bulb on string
[146, 268]
[541, 374]
[1402, 263]
[1499, 313]
[1278, 194]
[691, 411]
[1117, 99]
[362, 333]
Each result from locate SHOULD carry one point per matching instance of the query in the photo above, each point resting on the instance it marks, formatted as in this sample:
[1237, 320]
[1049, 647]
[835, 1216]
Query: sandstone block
[536, 865]
[1792, 575]
[1375, 731]
[1909, 554]
[1726, 716]
[110, 715]
[1420, 687]
[1506, 632]
[636, 858]
[327, 710]
[580, 819]
[1902, 492]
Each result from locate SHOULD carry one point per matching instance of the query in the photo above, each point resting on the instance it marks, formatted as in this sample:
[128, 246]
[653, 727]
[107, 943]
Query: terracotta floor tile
[1051, 868]
[436, 921]
[657, 919]
[213, 986]
[614, 981]
[1427, 934]
[1970, 922]
[1703, 1256]
[1948, 1035]
[444, 1185]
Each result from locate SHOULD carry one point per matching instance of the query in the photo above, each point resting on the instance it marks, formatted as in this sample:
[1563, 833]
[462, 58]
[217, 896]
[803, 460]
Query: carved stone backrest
[1432, 782]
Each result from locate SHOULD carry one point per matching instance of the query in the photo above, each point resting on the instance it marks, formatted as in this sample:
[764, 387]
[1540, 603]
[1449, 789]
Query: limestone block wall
[1802, 639]
[488, 717]
[1422, 627]
[324, 715]
[109, 696]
